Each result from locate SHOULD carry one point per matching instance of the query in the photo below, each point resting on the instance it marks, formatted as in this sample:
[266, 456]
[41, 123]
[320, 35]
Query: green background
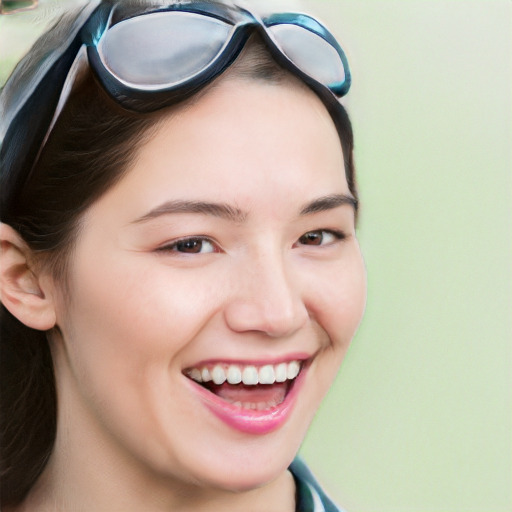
[419, 419]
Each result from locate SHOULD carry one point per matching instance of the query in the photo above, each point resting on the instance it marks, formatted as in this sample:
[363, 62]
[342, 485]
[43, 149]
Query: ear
[22, 291]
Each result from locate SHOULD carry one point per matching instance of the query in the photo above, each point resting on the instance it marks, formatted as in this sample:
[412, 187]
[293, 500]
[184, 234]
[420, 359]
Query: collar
[310, 496]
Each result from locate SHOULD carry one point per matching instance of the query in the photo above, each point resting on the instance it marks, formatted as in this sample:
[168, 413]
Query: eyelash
[173, 247]
[337, 236]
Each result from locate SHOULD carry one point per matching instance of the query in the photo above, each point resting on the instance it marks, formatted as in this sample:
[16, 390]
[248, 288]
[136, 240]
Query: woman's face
[227, 251]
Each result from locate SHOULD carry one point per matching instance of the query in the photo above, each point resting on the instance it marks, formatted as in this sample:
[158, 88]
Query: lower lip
[248, 420]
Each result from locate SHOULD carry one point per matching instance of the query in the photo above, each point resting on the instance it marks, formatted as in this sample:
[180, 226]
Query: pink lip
[249, 420]
[299, 356]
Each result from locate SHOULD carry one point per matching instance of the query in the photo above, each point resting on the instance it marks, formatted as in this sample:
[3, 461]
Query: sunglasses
[149, 57]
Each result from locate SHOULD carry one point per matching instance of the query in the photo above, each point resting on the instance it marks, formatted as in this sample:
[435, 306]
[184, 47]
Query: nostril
[275, 320]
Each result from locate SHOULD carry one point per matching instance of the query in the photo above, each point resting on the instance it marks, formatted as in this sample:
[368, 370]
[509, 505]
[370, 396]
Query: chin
[240, 478]
[251, 463]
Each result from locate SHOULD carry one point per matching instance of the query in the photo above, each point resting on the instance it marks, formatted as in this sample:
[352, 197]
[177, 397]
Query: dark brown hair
[89, 149]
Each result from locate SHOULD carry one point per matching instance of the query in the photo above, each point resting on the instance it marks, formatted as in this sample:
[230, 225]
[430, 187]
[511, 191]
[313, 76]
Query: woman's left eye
[190, 246]
[320, 237]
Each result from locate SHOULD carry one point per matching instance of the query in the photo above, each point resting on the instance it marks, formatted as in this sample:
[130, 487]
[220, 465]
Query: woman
[180, 272]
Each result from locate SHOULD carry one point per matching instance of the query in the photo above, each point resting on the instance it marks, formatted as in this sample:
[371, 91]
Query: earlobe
[21, 289]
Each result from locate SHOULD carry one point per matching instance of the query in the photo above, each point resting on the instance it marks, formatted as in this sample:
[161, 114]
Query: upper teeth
[250, 375]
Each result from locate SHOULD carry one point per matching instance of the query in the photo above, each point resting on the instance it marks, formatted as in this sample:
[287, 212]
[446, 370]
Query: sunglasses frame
[29, 113]
[244, 23]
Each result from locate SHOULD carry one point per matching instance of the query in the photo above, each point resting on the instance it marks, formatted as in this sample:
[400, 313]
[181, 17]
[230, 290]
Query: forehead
[242, 142]
[250, 123]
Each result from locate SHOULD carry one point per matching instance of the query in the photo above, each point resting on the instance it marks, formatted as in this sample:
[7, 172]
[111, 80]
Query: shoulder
[310, 496]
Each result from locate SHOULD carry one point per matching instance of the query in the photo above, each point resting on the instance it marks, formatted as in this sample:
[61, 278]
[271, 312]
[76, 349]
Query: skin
[131, 434]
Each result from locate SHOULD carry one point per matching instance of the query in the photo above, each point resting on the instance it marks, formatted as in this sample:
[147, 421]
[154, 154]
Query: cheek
[339, 300]
[128, 315]
[337, 306]
[124, 333]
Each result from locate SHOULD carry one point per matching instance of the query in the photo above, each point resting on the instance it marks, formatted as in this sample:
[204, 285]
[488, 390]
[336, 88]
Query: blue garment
[310, 497]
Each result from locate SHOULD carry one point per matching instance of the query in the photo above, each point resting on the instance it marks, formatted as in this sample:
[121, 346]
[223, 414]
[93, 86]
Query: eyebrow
[222, 210]
[234, 214]
[329, 202]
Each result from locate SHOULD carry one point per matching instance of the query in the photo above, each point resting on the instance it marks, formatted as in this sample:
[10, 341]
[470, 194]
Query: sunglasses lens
[157, 50]
[310, 53]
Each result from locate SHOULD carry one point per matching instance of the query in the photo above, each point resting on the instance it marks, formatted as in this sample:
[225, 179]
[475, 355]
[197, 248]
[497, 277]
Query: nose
[266, 299]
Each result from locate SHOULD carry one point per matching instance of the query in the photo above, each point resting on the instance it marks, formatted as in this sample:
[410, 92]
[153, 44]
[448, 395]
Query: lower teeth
[255, 406]
[250, 397]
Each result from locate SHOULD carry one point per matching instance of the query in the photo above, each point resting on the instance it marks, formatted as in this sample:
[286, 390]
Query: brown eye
[190, 246]
[320, 237]
[311, 238]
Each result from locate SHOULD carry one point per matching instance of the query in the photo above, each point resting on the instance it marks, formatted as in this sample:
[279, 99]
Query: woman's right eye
[193, 245]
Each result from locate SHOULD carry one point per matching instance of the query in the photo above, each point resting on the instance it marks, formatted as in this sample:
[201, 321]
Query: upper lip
[298, 356]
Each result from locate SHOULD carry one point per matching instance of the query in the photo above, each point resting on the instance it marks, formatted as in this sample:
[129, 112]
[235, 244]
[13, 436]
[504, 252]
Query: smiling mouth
[249, 387]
